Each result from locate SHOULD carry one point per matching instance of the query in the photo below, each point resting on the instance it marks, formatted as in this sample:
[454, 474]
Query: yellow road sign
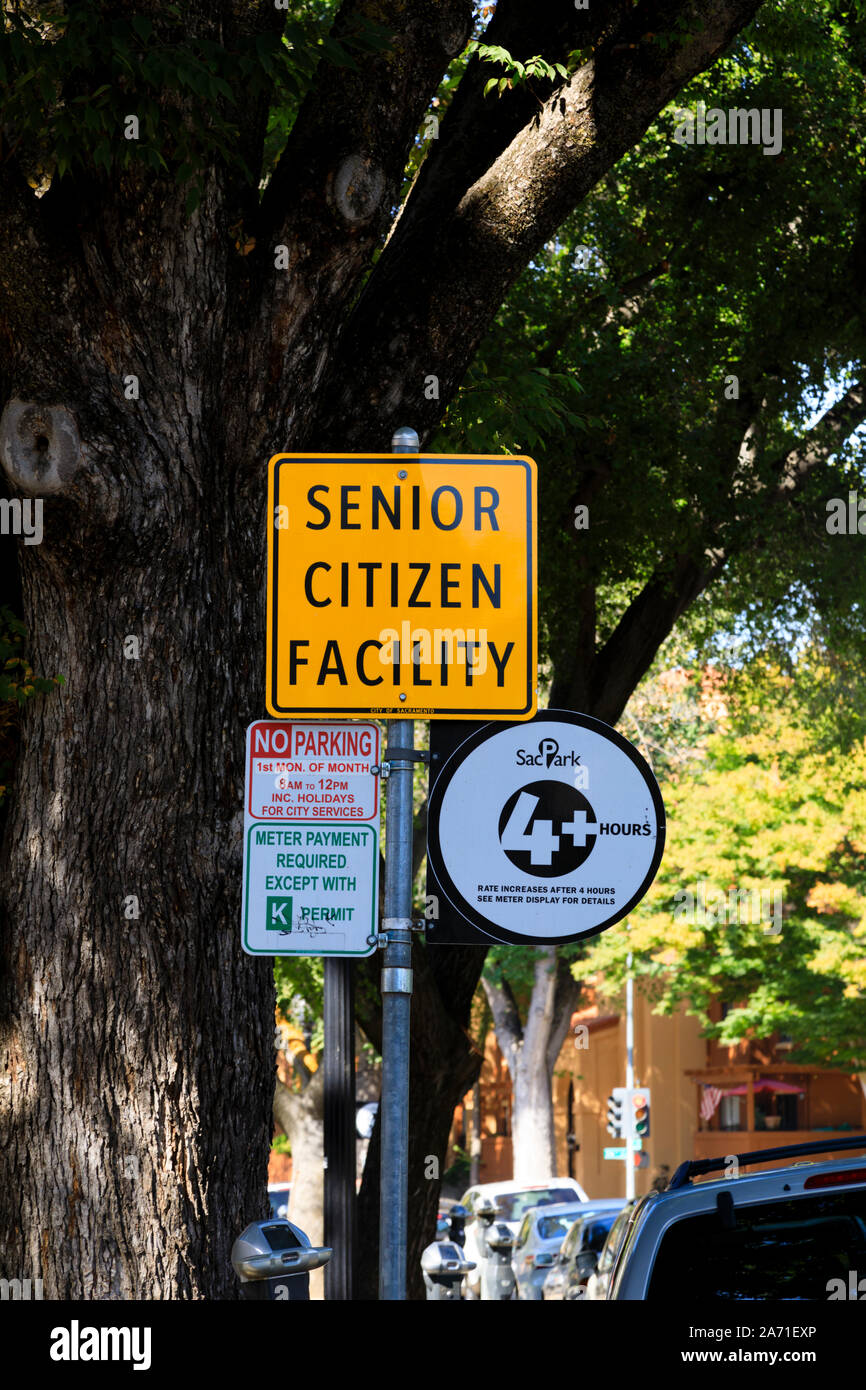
[401, 586]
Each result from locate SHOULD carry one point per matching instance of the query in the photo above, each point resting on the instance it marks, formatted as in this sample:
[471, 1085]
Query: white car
[514, 1200]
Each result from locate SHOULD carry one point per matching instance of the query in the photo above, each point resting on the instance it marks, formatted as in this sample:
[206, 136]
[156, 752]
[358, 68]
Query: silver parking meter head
[444, 1258]
[499, 1237]
[486, 1210]
[269, 1249]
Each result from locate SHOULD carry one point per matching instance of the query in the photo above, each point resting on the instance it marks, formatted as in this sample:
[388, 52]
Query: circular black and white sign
[545, 831]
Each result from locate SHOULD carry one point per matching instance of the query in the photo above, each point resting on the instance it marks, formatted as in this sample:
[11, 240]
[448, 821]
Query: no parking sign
[540, 832]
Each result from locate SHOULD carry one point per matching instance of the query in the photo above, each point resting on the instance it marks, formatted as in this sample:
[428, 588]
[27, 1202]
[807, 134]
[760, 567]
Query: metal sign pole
[396, 994]
[629, 1075]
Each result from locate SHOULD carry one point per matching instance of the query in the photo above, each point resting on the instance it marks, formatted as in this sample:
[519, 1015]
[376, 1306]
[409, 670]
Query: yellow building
[753, 1098]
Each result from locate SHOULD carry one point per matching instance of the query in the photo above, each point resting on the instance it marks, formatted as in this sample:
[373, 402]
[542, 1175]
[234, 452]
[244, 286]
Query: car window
[626, 1238]
[523, 1234]
[549, 1227]
[595, 1234]
[572, 1240]
[514, 1205]
[783, 1250]
[612, 1243]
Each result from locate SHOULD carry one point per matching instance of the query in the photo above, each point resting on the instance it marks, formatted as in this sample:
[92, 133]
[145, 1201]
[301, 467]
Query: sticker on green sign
[279, 914]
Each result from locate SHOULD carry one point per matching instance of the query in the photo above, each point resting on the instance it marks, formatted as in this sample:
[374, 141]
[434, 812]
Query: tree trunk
[135, 1033]
[532, 1124]
[475, 1140]
[301, 1114]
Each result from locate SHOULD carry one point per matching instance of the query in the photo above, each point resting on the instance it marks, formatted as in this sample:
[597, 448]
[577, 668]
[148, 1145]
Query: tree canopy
[760, 903]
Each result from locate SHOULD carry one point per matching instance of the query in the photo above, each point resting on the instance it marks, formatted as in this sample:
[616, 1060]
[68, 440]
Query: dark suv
[794, 1232]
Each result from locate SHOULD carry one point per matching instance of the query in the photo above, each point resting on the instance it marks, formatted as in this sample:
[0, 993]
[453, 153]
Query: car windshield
[514, 1205]
[549, 1227]
[801, 1248]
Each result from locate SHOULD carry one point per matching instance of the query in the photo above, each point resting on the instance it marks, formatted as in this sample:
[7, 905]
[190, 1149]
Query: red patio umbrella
[764, 1083]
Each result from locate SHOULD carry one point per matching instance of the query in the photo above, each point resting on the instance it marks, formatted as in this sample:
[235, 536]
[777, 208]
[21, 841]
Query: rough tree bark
[136, 1036]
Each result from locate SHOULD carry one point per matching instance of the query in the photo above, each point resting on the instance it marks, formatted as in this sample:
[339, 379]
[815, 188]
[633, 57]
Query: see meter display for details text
[401, 586]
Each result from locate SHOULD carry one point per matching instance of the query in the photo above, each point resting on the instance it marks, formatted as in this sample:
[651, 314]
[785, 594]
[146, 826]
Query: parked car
[598, 1282]
[794, 1232]
[513, 1201]
[541, 1233]
[580, 1250]
[278, 1196]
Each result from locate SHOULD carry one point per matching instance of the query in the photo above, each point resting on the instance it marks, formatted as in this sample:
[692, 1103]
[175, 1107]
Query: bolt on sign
[311, 839]
[401, 586]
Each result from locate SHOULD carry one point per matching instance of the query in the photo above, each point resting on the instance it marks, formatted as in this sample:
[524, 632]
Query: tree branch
[565, 1000]
[630, 650]
[444, 272]
[825, 436]
[346, 155]
[506, 1020]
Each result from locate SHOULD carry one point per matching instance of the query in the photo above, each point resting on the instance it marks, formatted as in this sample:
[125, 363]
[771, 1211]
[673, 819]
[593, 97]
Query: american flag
[710, 1102]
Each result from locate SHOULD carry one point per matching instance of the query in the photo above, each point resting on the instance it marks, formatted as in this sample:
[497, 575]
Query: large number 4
[541, 842]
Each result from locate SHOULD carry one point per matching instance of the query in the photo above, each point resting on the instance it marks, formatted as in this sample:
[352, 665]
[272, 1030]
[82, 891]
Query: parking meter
[496, 1243]
[498, 1282]
[457, 1218]
[443, 1265]
[272, 1259]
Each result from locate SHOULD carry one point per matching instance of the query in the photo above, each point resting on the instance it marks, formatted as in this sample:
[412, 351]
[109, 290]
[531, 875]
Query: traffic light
[638, 1113]
[616, 1116]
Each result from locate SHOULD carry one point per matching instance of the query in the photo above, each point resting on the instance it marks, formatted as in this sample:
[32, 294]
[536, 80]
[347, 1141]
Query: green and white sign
[310, 889]
[311, 885]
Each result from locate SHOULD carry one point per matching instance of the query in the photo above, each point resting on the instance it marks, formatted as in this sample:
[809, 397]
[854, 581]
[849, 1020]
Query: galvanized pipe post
[396, 993]
[629, 1074]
